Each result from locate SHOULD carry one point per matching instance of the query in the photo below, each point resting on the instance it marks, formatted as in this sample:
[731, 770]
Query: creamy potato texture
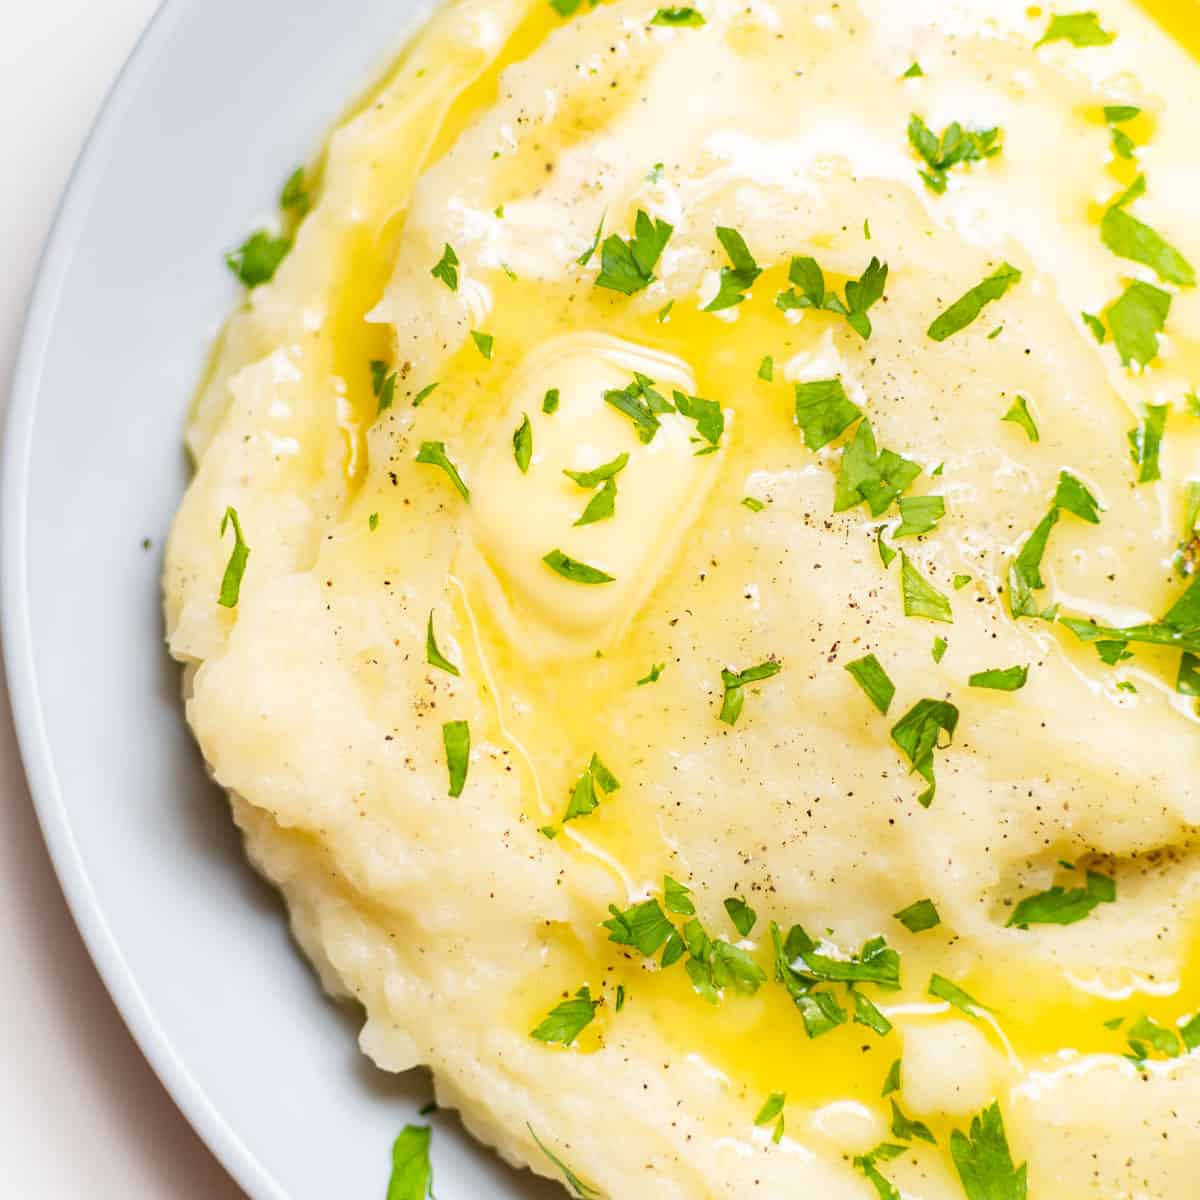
[732, 507]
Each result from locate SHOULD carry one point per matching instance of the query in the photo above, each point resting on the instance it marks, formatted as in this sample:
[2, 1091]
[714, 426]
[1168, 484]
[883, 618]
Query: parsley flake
[678, 898]
[920, 597]
[1127, 237]
[1006, 679]
[383, 384]
[1145, 441]
[869, 674]
[1019, 414]
[484, 342]
[968, 306]
[456, 738]
[257, 259]
[295, 197]
[677, 17]
[956, 145]
[766, 369]
[984, 1162]
[597, 782]
[735, 681]
[412, 1172]
[652, 676]
[1136, 318]
[434, 454]
[446, 269]
[1065, 906]
[628, 266]
[739, 276]
[566, 1021]
[772, 1110]
[861, 293]
[1080, 29]
[945, 989]
[919, 514]
[523, 444]
[550, 401]
[1075, 498]
[433, 656]
[231, 580]
[871, 476]
[918, 917]
[824, 411]
[916, 733]
[574, 570]
[741, 914]
[582, 1191]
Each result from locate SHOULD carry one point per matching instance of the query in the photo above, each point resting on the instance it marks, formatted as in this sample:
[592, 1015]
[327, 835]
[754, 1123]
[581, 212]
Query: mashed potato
[779, 618]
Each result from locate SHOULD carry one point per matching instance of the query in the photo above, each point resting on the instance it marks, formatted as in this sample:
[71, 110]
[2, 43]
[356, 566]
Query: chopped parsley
[434, 454]
[597, 782]
[677, 897]
[412, 1172]
[566, 1021]
[574, 570]
[424, 393]
[643, 926]
[956, 145]
[383, 384]
[940, 646]
[456, 738]
[752, 504]
[824, 411]
[892, 1081]
[741, 914]
[871, 476]
[1145, 1035]
[1179, 628]
[916, 733]
[295, 197]
[601, 506]
[907, 1129]
[865, 1163]
[1127, 237]
[739, 276]
[235, 568]
[1065, 906]
[984, 1161]
[641, 403]
[628, 266]
[1080, 29]
[446, 268]
[1000, 679]
[1025, 574]
[373, 522]
[586, 256]
[1136, 318]
[582, 1191]
[598, 475]
[709, 418]
[715, 965]
[919, 514]
[766, 369]
[1019, 414]
[257, 259]
[968, 306]
[677, 17]
[886, 553]
[550, 401]
[913, 72]
[523, 444]
[918, 917]
[735, 681]
[960, 582]
[861, 293]
[1116, 115]
[1145, 442]
[1075, 498]
[652, 676]
[1096, 325]
[484, 342]
[920, 597]
[944, 989]
[433, 656]
[772, 1110]
[869, 674]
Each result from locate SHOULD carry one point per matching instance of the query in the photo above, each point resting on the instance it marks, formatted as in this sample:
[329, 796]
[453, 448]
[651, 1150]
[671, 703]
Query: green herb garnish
[1080, 29]
[916, 733]
[1136, 318]
[257, 259]
[434, 454]
[968, 306]
[984, 1161]
[919, 514]
[433, 656]
[231, 580]
[918, 917]
[628, 266]
[1145, 442]
[735, 681]
[677, 17]
[412, 1172]
[873, 679]
[861, 293]
[523, 444]
[920, 597]
[446, 269]
[574, 570]
[739, 276]
[956, 146]
[456, 738]
[1019, 414]
[1065, 906]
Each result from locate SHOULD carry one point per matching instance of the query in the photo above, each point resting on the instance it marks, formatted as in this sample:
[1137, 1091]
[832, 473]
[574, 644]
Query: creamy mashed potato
[885, 638]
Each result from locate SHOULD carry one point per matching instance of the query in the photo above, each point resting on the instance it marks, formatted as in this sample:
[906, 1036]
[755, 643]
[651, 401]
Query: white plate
[218, 103]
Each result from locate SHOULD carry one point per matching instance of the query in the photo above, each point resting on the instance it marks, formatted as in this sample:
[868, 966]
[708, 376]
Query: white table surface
[81, 1114]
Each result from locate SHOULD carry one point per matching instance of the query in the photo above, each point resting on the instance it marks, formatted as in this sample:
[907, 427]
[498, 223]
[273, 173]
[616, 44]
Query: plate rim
[16, 645]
